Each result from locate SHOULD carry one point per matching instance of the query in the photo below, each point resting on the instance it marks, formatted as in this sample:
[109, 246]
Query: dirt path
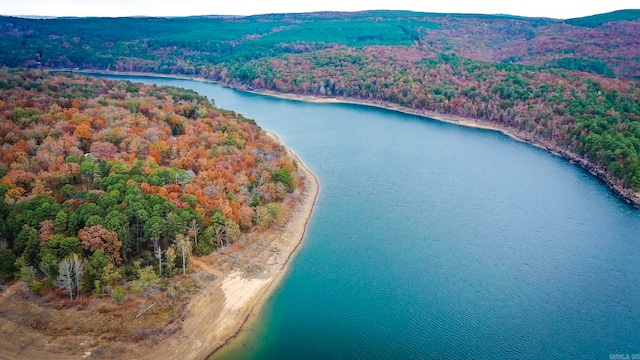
[8, 292]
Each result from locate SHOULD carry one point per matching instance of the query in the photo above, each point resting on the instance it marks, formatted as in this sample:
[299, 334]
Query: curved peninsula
[250, 199]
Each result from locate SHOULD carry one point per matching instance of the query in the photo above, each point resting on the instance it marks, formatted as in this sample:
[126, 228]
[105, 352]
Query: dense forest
[571, 86]
[109, 181]
[606, 44]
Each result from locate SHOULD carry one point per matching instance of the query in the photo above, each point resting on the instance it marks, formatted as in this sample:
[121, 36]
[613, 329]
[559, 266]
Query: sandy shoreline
[244, 290]
[299, 221]
[289, 244]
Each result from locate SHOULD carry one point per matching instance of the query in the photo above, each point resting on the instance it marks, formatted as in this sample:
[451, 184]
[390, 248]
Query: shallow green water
[431, 240]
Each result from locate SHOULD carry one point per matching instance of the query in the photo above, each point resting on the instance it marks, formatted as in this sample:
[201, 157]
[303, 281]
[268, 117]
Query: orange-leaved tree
[83, 132]
[98, 238]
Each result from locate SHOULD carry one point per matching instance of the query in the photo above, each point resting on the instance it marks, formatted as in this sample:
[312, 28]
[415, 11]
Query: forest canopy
[123, 176]
[570, 86]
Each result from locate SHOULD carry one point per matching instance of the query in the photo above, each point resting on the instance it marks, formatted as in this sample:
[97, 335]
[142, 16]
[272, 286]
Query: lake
[431, 240]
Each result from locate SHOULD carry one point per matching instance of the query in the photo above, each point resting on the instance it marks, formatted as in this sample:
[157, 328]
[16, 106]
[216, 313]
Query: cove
[431, 240]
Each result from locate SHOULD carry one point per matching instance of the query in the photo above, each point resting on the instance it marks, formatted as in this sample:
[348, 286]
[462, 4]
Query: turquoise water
[431, 240]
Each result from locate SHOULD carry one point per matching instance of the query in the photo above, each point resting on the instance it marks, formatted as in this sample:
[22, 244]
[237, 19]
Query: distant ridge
[33, 17]
[594, 21]
[387, 14]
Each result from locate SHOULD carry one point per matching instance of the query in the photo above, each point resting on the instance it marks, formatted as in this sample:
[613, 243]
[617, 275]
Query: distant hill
[597, 20]
[609, 49]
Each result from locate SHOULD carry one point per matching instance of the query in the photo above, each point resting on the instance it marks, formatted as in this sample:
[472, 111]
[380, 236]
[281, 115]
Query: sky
[559, 9]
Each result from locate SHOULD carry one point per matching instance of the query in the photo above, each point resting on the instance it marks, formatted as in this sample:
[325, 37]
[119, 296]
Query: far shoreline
[627, 195]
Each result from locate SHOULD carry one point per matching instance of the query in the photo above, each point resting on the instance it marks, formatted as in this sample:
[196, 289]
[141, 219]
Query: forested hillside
[571, 86]
[607, 44]
[121, 181]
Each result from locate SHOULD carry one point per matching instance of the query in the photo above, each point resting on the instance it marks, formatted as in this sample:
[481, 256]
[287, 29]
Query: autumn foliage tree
[98, 238]
[83, 133]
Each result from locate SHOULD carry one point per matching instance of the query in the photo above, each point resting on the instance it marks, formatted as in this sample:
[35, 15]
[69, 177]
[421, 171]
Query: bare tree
[157, 252]
[78, 272]
[194, 230]
[219, 235]
[184, 245]
[170, 264]
[65, 276]
[70, 274]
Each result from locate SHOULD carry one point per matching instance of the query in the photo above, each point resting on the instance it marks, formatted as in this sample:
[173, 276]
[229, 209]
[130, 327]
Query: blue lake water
[431, 240]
